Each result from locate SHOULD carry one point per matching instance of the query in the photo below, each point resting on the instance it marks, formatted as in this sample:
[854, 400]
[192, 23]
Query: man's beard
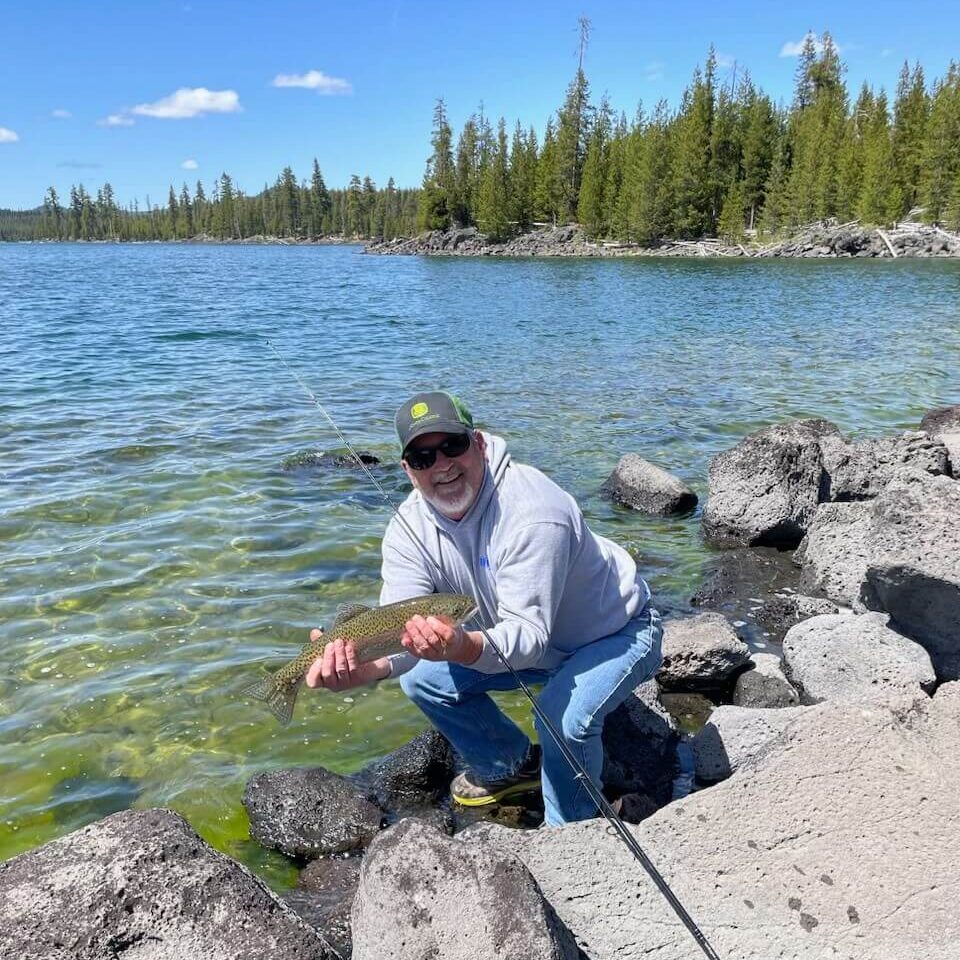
[453, 508]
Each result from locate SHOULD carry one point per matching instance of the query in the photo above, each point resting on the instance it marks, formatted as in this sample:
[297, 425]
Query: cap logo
[419, 410]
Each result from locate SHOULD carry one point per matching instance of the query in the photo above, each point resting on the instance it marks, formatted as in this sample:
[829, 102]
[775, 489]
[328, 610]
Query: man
[565, 607]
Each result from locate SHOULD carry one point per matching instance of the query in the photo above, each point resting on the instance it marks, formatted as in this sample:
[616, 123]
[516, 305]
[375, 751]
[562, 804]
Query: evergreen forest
[727, 161]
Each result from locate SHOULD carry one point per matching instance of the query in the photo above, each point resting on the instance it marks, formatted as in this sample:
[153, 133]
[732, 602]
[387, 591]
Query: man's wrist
[471, 648]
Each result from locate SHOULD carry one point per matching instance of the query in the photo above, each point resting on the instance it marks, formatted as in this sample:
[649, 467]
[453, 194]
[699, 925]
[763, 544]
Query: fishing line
[596, 794]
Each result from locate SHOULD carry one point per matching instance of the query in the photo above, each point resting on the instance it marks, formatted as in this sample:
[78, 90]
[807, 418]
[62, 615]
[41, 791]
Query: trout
[373, 631]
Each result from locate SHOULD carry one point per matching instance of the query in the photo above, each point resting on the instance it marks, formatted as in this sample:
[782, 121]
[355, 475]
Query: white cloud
[725, 61]
[189, 165]
[61, 114]
[190, 102]
[116, 120]
[793, 48]
[653, 71]
[7, 136]
[313, 80]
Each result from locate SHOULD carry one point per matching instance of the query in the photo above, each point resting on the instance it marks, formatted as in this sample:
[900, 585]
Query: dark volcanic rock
[324, 896]
[424, 895]
[415, 774]
[308, 812]
[765, 684]
[943, 423]
[640, 747]
[641, 485]
[142, 884]
[319, 459]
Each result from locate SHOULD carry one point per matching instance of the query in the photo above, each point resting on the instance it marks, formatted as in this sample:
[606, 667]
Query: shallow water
[155, 555]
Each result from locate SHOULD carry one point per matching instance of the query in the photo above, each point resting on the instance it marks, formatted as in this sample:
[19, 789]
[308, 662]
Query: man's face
[451, 485]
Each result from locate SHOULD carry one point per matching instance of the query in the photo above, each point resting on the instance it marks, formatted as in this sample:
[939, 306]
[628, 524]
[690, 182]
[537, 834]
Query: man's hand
[337, 668]
[435, 638]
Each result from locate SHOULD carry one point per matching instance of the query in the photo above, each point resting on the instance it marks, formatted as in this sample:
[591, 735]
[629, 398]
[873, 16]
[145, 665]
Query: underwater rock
[641, 485]
[764, 684]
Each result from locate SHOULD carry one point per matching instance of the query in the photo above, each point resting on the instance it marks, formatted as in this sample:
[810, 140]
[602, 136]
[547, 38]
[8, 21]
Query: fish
[373, 631]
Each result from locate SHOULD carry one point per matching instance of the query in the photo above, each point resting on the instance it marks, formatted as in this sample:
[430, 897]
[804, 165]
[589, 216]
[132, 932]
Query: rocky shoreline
[824, 239]
[827, 822]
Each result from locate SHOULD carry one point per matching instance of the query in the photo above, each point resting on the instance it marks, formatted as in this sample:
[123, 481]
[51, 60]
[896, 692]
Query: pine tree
[466, 175]
[493, 202]
[910, 111]
[693, 194]
[880, 200]
[523, 177]
[761, 134]
[173, 215]
[940, 162]
[590, 204]
[549, 192]
[438, 180]
[319, 200]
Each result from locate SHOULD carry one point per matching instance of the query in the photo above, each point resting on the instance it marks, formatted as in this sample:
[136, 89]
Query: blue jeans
[577, 696]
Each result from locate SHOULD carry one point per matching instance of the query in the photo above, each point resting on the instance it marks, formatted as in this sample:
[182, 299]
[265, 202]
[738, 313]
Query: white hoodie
[544, 583]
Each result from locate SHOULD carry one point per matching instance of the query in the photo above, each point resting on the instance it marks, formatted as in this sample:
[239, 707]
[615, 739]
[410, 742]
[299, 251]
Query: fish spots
[852, 914]
[808, 922]
[794, 903]
[827, 879]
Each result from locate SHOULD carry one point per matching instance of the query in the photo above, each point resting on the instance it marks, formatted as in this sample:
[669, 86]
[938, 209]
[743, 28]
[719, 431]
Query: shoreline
[822, 240]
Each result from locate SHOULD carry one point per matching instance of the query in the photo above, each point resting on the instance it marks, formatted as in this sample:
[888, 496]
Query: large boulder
[142, 884]
[840, 839]
[423, 895]
[764, 684]
[765, 490]
[306, 812]
[734, 734]
[643, 486]
[700, 652]
[943, 423]
[640, 747]
[835, 657]
[861, 470]
[899, 554]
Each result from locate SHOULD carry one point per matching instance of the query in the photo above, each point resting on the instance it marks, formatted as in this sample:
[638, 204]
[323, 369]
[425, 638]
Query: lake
[157, 557]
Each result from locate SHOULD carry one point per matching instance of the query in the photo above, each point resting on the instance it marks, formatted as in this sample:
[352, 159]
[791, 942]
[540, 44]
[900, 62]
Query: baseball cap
[431, 412]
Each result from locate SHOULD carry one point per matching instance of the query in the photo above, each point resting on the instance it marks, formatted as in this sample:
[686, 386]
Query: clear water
[155, 556]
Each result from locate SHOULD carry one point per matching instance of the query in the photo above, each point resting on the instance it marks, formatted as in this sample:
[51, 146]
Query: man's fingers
[351, 655]
[313, 672]
[340, 659]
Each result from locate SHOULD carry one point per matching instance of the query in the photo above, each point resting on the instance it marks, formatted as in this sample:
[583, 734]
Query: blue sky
[147, 94]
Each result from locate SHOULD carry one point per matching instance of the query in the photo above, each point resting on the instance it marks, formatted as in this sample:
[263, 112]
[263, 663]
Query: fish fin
[279, 699]
[347, 611]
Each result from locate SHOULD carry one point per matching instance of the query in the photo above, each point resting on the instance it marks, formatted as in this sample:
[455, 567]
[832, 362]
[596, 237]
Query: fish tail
[278, 697]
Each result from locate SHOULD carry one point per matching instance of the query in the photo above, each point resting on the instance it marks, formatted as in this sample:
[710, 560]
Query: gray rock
[307, 812]
[839, 839]
[944, 424]
[767, 488]
[899, 554]
[859, 471]
[640, 746]
[854, 658]
[833, 555]
[701, 651]
[641, 485]
[415, 774]
[765, 684]
[914, 565]
[734, 735]
[424, 895]
[142, 884]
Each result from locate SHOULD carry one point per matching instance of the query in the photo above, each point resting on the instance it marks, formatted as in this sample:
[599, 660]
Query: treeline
[726, 161]
[304, 210]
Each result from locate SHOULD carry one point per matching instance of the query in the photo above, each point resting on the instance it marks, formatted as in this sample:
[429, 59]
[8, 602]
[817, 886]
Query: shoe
[468, 790]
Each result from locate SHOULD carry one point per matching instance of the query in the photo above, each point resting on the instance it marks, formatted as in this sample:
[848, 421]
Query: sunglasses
[422, 458]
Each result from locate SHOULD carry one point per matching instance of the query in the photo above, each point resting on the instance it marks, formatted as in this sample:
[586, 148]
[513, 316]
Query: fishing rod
[580, 773]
